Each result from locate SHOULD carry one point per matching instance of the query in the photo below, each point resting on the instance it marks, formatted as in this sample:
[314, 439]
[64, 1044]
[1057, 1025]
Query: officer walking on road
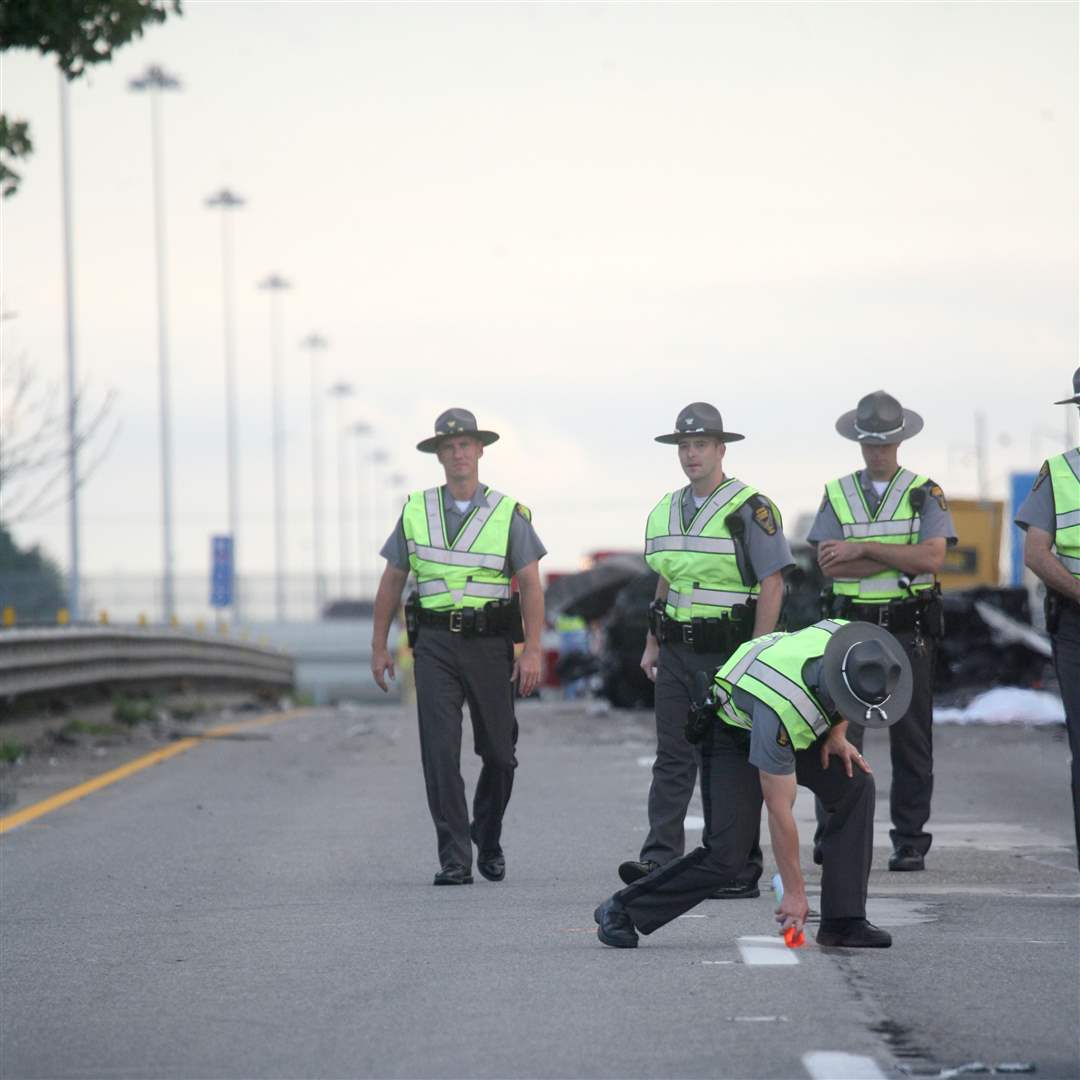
[778, 716]
[1050, 516]
[719, 549]
[881, 535]
[464, 542]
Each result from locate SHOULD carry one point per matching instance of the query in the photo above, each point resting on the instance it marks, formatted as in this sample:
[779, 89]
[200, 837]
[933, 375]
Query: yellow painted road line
[62, 798]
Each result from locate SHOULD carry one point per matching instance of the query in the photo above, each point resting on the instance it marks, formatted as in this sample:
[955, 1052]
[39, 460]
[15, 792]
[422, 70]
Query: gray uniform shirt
[934, 517]
[524, 547]
[767, 553]
[1038, 508]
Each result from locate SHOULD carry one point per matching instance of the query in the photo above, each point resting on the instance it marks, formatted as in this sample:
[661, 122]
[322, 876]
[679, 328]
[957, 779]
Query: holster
[1052, 606]
[412, 617]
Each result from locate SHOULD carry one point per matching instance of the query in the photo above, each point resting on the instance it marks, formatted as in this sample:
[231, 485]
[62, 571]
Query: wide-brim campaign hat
[699, 418]
[880, 420]
[1075, 399]
[867, 674]
[455, 422]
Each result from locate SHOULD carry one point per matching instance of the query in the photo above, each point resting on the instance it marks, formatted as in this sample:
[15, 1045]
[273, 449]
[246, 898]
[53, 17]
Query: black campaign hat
[879, 420]
[455, 422]
[1075, 399]
[867, 674]
[699, 418]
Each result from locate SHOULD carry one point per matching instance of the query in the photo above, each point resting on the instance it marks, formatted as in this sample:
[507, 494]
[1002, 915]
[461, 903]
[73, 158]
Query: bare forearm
[785, 844]
[854, 568]
[387, 599]
[532, 613]
[1047, 567]
[767, 610]
[927, 558]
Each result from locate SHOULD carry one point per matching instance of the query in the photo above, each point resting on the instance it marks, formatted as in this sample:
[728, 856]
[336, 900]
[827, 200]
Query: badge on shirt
[782, 737]
[524, 511]
[938, 494]
[1044, 472]
[765, 518]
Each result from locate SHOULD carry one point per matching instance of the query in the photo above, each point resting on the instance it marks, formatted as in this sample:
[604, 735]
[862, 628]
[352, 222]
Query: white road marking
[834, 1065]
[692, 821]
[692, 915]
[718, 961]
[766, 951]
[759, 1019]
[646, 762]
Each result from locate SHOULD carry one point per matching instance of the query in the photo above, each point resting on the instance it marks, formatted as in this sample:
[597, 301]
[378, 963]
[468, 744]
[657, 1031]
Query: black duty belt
[920, 612]
[490, 621]
[722, 635]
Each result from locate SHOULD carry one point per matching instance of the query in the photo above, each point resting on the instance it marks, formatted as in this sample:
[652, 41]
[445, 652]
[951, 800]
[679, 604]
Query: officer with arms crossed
[720, 550]
[464, 542]
[881, 535]
[777, 716]
[1051, 517]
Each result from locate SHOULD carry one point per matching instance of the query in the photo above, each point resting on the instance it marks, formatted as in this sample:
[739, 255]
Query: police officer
[881, 535]
[719, 549]
[778, 716]
[464, 542]
[1050, 515]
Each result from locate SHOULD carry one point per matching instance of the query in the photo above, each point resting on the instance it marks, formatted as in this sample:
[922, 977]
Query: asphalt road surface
[261, 906]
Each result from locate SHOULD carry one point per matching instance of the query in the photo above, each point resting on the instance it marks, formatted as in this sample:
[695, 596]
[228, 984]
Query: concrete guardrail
[32, 661]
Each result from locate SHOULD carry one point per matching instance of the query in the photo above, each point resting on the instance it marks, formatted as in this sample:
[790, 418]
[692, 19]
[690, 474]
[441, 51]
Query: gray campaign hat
[455, 422]
[879, 419]
[867, 674]
[699, 418]
[1075, 399]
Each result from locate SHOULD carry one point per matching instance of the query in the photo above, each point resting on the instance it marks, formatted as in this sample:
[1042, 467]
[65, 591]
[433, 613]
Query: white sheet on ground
[1007, 705]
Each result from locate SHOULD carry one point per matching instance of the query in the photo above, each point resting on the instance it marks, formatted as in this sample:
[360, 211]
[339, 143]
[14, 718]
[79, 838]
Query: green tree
[77, 33]
[30, 581]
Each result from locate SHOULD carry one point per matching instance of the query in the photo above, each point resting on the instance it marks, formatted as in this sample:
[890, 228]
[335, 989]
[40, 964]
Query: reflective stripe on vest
[699, 561]
[895, 522]
[1065, 478]
[770, 669]
[472, 570]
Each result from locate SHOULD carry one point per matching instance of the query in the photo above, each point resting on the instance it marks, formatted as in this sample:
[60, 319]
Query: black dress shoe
[613, 926]
[736, 890]
[453, 875]
[907, 858]
[852, 934]
[491, 864]
[636, 869]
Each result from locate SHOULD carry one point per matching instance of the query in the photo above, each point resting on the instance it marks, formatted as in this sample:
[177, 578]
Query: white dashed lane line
[834, 1065]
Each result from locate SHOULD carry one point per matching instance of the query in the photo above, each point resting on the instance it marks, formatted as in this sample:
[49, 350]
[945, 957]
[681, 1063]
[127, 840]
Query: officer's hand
[832, 553]
[381, 666]
[838, 746]
[793, 910]
[526, 671]
[650, 657]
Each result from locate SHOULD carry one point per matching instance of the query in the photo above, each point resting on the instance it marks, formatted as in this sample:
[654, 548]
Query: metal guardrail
[32, 661]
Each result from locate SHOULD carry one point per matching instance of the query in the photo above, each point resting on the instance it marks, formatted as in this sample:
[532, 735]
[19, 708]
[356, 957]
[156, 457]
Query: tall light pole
[69, 339]
[341, 391]
[361, 431]
[378, 457]
[316, 344]
[227, 201]
[276, 285]
[154, 80]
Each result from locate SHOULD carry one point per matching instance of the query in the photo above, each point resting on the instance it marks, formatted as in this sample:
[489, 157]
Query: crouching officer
[719, 548]
[464, 542]
[881, 535]
[1050, 515]
[777, 716]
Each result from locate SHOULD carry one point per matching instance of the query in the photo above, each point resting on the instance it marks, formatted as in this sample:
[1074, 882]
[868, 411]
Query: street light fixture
[276, 285]
[317, 344]
[378, 457]
[154, 80]
[341, 391]
[226, 200]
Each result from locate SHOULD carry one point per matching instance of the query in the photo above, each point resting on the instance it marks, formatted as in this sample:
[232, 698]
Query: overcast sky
[572, 219]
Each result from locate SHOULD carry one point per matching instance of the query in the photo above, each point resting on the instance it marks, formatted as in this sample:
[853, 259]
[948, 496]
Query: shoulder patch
[524, 511]
[1044, 472]
[938, 495]
[782, 737]
[764, 517]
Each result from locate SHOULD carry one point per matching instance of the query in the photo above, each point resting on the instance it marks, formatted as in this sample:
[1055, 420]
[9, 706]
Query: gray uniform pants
[452, 669]
[1066, 643]
[731, 791]
[675, 770]
[911, 751]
